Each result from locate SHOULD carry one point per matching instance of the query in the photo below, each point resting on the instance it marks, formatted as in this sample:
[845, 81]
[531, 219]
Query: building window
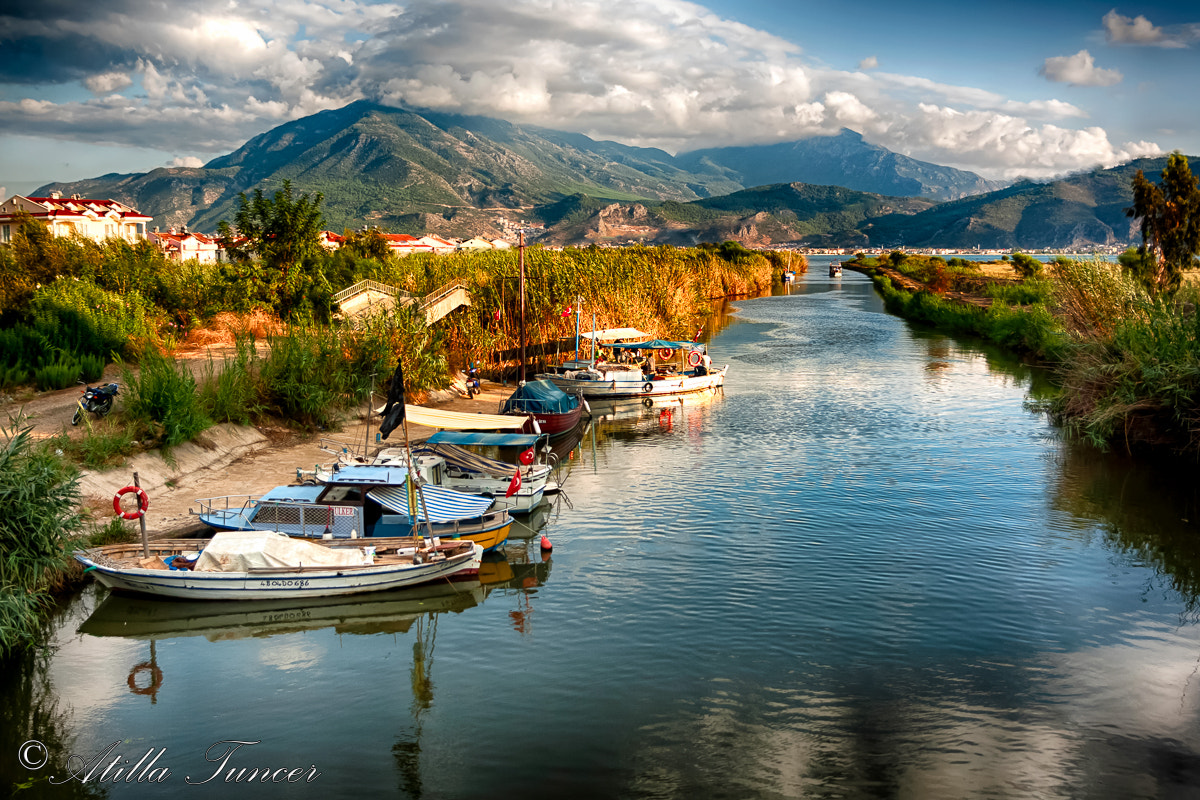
[5, 234]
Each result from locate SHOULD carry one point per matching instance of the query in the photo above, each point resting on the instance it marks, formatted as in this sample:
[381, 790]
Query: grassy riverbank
[1126, 364]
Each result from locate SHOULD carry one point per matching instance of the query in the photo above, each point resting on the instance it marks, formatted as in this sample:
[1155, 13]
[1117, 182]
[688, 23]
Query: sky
[1007, 90]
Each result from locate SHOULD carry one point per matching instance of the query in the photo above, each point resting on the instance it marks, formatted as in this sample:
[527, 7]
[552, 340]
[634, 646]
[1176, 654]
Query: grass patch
[162, 406]
[96, 449]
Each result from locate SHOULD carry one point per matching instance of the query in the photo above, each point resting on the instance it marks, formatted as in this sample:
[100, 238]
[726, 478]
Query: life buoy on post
[666, 353]
[143, 502]
[694, 358]
[649, 387]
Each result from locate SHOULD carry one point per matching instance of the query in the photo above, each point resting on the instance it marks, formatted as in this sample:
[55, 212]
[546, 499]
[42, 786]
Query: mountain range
[461, 175]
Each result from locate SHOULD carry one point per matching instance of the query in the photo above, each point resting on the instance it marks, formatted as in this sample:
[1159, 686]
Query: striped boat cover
[444, 505]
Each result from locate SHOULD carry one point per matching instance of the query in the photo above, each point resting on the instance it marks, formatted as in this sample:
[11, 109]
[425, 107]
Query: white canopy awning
[610, 334]
[459, 421]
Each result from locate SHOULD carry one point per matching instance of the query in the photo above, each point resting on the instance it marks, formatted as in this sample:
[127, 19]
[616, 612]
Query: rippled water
[864, 570]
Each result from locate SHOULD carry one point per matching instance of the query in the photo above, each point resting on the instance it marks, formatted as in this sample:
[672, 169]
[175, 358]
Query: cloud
[1119, 29]
[1007, 146]
[203, 77]
[108, 82]
[1078, 70]
[186, 161]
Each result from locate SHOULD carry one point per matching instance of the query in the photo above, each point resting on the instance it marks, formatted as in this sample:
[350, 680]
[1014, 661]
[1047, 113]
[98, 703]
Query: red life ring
[143, 502]
[666, 353]
[694, 358]
[156, 678]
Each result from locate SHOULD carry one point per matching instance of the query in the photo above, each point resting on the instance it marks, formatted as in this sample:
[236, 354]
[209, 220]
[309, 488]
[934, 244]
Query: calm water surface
[864, 570]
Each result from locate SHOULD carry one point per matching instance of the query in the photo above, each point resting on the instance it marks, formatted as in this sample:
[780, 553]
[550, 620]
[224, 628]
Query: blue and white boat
[361, 501]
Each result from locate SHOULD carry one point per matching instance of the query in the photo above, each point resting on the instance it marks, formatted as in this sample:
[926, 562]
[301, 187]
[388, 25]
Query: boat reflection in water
[135, 617]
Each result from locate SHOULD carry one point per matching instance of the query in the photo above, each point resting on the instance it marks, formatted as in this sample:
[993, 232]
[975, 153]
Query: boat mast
[521, 267]
[578, 311]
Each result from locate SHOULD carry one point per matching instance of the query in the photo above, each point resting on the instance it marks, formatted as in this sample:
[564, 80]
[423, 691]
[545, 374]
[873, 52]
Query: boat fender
[649, 387]
[156, 678]
[694, 358]
[143, 503]
[546, 543]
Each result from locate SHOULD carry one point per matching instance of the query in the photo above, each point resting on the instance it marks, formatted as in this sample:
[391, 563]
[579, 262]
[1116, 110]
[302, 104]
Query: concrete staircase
[371, 297]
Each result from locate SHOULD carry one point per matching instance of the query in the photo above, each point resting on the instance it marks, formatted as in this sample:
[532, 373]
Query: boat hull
[191, 585]
[554, 424]
[616, 385]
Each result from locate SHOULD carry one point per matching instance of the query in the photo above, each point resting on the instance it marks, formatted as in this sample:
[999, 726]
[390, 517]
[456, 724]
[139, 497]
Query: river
[863, 570]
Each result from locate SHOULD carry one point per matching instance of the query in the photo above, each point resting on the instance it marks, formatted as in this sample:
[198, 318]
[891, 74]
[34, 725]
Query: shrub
[59, 375]
[304, 377]
[39, 494]
[162, 405]
[95, 449]
[231, 394]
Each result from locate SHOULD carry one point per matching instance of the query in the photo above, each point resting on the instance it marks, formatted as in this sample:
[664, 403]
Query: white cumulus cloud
[108, 82]
[185, 161]
[1139, 30]
[1078, 70]
[870, 62]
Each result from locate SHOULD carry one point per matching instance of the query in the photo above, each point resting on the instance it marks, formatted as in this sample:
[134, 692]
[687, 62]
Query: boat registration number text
[276, 583]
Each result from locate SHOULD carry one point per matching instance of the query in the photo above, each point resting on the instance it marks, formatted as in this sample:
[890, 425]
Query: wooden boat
[360, 500]
[651, 368]
[244, 565]
[554, 411]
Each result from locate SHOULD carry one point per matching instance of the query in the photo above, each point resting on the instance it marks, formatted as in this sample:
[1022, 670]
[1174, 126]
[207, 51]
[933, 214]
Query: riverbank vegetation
[1122, 339]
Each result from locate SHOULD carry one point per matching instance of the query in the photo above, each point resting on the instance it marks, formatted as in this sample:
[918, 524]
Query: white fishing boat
[244, 565]
[644, 368]
[835, 269]
[444, 461]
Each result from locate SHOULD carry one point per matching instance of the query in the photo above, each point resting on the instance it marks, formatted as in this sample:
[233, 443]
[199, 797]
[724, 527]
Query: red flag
[514, 485]
[527, 457]
[696, 338]
[496, 316]
[567, 312]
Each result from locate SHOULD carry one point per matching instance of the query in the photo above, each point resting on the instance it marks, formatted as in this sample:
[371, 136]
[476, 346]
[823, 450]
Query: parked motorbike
[472, 380]
[96, 400]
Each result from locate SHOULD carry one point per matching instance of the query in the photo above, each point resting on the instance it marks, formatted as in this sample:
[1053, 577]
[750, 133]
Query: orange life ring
[156, 678]
[143, 503]
[694, 358]
[666, 353]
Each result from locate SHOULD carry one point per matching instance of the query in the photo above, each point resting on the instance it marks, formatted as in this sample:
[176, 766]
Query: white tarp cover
[241, 551]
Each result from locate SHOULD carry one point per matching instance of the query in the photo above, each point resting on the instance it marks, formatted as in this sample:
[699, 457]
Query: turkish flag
[514, 485]
[527, 457]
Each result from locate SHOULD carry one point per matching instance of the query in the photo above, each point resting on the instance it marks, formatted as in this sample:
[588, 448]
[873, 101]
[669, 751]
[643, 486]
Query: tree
[368, 243]
[1169, 212]
[281, 233]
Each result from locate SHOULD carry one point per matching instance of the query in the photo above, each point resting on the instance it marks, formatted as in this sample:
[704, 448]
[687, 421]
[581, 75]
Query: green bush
[91, 367]
[59, 375]
[95, 450]
[39, 494]
[12, 376]
[304, 378]
[162, 404]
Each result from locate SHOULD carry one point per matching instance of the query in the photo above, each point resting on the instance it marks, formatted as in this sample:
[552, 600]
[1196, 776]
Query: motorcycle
[472, 381]
[97, 400]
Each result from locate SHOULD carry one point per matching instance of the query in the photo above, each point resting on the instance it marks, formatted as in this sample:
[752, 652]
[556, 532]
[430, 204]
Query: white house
[183, 246]
[64, 216]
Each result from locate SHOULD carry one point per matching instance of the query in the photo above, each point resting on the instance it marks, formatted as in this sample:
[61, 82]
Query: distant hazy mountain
[410, 171]
[841, 160]
[1077, 211]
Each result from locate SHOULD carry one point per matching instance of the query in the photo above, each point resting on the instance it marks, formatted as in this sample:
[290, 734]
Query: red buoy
[546, 543]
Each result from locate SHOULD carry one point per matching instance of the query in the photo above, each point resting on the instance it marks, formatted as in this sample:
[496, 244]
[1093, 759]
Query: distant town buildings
[66, 216]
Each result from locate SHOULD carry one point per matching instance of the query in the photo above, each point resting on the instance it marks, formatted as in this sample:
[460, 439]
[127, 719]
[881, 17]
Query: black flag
[393, 412]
